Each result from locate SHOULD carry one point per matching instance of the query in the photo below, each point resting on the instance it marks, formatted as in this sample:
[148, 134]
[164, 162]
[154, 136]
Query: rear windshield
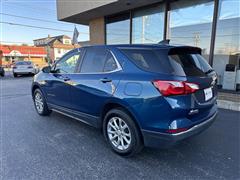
[180, 62]
[24, 63]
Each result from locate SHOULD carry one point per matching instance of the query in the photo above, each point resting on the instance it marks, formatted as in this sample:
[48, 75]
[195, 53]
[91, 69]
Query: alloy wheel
[39, 102]
[119, 133]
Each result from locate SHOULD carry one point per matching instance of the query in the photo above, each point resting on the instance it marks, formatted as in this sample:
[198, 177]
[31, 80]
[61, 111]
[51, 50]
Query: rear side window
[94, 60]
[147, 59]
[180, 62]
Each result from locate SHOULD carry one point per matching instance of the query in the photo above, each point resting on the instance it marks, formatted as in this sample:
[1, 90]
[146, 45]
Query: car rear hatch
[188, 62]
[183, 77]
[23, 65]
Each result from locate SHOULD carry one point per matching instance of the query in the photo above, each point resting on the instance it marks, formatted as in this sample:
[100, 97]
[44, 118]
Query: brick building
[15, 53]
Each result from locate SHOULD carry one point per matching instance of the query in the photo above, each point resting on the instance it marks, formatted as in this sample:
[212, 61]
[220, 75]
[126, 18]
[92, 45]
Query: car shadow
[201, 156]
[9, 76]
[25, 75]
[186, 149]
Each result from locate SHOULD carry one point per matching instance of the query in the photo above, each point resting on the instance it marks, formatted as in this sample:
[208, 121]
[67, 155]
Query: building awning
[82, 11]
[23, 51]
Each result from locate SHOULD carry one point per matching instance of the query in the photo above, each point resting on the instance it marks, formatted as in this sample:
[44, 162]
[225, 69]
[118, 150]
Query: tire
[40, 103]
[2, 72]
[15, 75]
[131, 132]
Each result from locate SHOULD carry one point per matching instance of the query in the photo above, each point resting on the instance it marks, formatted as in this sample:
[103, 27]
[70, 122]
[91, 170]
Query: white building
[55, 46]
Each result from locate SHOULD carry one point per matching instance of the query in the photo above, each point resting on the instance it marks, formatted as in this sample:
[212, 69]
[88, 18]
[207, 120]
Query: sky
[46, 10]
[36, 9]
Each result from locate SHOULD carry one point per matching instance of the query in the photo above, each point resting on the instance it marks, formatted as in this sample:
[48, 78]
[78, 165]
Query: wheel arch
[114, 105]
[36, 86]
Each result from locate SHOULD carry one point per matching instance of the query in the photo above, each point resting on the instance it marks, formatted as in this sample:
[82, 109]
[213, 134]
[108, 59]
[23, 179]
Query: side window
[94, 60]
[68, 63]
[110, 64]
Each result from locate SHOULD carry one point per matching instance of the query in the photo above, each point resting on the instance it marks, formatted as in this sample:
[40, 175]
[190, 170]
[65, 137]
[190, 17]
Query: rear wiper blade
[209, 71]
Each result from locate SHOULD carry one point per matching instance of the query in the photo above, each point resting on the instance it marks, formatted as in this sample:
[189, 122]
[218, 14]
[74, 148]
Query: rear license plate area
[208, 93]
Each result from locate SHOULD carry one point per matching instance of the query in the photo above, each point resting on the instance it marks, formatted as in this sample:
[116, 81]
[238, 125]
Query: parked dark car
[2, 72]
[152, 95]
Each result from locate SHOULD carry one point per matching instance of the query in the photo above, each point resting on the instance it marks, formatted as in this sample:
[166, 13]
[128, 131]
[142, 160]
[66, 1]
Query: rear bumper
[164, 140]
[25, 71]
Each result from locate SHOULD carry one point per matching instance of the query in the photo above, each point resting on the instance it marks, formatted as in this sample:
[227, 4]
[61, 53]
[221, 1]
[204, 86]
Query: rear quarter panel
[143, 100]
[155, 112]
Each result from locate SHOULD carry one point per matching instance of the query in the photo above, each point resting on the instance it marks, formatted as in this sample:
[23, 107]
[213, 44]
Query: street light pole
[1, 56]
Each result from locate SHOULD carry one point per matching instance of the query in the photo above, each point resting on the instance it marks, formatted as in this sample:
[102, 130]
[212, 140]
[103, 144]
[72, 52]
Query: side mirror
[46, 69]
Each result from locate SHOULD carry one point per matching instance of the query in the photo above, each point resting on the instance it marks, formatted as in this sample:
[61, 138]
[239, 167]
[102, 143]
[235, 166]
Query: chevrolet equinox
[139, 95]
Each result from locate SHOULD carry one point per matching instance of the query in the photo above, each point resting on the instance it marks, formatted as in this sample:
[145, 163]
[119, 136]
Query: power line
[38, 27]
[24, 17]
[32, 8]
[17, 42]
[30, 26]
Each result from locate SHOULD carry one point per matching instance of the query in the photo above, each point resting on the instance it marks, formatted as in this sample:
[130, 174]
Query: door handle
[105, 80]
[62, 77]
[66, 78]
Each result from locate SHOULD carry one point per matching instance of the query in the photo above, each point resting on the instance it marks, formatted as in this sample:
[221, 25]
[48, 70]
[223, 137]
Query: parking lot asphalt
[57, 147]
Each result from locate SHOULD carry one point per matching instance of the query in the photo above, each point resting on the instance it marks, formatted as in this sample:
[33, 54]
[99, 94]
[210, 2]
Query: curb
[235, 106]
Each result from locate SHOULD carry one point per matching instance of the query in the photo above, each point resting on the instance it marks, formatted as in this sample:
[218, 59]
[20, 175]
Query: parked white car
[24, 67]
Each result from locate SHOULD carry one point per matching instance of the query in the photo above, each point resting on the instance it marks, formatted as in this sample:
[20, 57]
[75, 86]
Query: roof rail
[165, 41]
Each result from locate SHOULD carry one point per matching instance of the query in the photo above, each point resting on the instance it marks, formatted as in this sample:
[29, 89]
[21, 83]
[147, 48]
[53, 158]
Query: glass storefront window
[227, 42]
[190, 23]
[148, 25]
[118, 29]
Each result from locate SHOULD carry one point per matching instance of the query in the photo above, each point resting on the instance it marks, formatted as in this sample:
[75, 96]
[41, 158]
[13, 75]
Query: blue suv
[139, 95]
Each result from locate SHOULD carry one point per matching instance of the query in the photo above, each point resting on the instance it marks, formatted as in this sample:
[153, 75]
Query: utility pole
[143, 29]
[1, 56]
[29, 55]
[196, 39]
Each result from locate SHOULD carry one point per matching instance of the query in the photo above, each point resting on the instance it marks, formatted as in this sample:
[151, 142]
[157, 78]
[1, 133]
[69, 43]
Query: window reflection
[148, 25]
[191, 24]
[227, 50]
[118, 29]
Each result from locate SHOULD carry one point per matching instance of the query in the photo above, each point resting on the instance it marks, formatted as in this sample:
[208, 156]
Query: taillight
[190, 88]
[168, 88]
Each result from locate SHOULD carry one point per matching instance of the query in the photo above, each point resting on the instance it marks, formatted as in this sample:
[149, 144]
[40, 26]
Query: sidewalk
[229, 101]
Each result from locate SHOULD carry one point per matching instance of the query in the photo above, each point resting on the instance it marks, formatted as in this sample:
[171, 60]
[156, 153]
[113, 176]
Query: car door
[58, 86]
[96, 81]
